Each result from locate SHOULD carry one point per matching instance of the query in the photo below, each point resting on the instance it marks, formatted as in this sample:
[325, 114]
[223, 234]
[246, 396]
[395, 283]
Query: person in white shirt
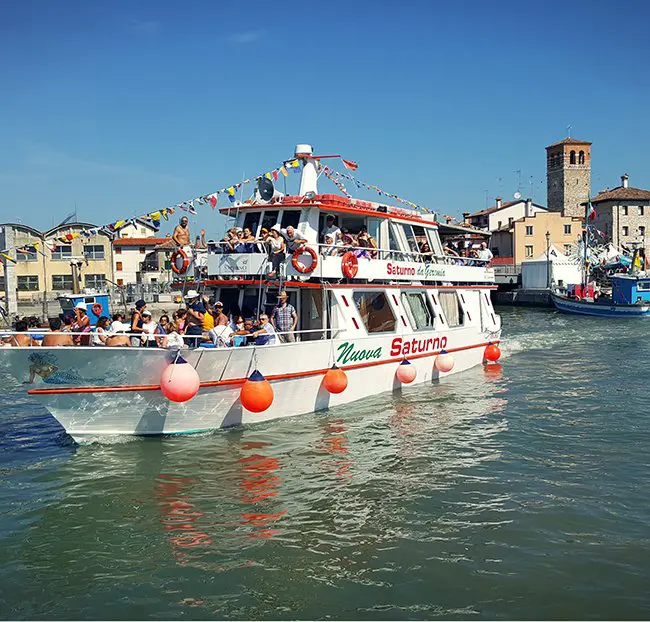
[484, 252]
[221, 336]
[148, 330]
[331, 228]
[293, 238]
[265, 336]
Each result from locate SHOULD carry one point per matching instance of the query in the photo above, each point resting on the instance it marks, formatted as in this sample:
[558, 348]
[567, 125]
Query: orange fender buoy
[257, 393]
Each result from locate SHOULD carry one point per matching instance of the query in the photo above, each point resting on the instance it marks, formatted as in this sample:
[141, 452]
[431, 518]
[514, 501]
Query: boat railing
[319, 333]
[330, 250]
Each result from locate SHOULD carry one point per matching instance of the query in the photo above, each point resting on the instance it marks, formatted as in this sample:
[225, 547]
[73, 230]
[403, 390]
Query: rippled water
[520, 491]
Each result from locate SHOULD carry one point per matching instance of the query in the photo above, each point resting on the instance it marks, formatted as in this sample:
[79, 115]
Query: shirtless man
[56, 337]
[181, 237]
[21, 340]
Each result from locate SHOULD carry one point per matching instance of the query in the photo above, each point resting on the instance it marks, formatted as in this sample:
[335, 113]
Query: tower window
[642, 231]
[572, 157]
[626, 231]
[640, 210]
[581, 157]
[625, 210]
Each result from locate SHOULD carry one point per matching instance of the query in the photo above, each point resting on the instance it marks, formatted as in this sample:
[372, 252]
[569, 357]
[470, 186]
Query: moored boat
[367, 310]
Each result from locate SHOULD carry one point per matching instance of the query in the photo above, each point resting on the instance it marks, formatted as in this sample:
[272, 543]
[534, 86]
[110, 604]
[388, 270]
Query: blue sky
[128, 107]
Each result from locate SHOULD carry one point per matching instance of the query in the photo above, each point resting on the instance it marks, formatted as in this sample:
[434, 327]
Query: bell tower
[568, 176]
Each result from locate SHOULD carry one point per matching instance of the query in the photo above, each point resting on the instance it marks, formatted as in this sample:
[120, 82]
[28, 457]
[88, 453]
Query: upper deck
[342, 237]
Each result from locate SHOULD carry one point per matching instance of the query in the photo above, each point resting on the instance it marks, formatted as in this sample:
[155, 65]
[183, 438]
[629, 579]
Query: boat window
[419, 311]
[311, 314]
[452, 308]
[322, 224]
[375, 311]
[352, 224]
[249, 302]
[230, 299]
[434, 242]
[269, 218]
[252, 220]
[290, 218]
[373, 229]
[643, 286]
[393, 242]
[412, 242]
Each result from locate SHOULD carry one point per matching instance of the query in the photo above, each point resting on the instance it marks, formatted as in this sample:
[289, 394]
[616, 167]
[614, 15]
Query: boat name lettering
[403, 347]
[348, 353]
[429, 270]
[392, 269]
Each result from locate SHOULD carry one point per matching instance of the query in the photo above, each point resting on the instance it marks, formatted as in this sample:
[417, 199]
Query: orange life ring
[349, 265]
[97, 308]
[179, 261]
[299, 267]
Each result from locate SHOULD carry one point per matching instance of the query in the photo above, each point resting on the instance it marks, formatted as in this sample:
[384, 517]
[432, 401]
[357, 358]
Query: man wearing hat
[220, 318]
[194, 319]
[331, 228]
[82, 324]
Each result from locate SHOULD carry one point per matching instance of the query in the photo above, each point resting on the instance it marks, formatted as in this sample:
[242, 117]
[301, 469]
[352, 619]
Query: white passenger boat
[365, 313]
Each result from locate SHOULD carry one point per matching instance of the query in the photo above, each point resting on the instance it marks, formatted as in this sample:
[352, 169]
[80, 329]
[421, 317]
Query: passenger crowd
[202, 321]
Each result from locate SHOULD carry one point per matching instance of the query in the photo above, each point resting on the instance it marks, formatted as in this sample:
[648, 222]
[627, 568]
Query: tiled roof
[494, 208]
[569, 141]
[139, 241]
[622, 194]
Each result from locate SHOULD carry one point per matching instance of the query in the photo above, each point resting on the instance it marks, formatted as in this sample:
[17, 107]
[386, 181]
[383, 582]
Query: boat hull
[101, 392]
[582, 307]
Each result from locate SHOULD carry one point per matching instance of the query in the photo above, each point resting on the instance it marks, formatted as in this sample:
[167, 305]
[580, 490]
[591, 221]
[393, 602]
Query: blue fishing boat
[630, 298]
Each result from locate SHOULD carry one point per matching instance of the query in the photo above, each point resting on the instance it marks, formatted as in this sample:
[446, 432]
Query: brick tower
[568, 176]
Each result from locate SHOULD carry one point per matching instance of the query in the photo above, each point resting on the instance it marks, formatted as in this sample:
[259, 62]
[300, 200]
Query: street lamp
[548, 260]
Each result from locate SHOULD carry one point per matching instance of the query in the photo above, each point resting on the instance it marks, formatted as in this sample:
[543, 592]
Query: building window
[567, 229]
[143, 250]
[581, 157]
[640, 210]
[95, 281]
[94, 251]
[143, 231]
[418, 310]
[528, 251]
[375, 311]
[62, 252]
[26, 256]
[452, 308]
[61, 282]
[529, 229]
[118, 250]
[568, 249]
[510, 220]
[572, 157]
[624, 210]
[27, 283]
[642, 231]
[626, 231]
[118, 265]
[2, 283]
[120, 282]
[499, 223]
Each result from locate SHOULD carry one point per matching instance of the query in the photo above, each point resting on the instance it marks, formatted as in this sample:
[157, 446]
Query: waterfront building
[141, 259]
[137, 228]
[502, 214]
[49, 266]
[568, 176]
[527, 238]
[623, 215]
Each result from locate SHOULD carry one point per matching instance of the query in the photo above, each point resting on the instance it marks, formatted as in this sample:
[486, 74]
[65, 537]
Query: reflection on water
[508, 491]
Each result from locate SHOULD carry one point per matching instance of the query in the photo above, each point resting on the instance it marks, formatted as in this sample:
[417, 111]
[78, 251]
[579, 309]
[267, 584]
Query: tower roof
[569, 141]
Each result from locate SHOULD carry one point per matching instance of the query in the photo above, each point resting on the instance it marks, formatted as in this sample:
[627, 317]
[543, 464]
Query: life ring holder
[302, 268]
[179, 267]
[97, 308]
[349, 265]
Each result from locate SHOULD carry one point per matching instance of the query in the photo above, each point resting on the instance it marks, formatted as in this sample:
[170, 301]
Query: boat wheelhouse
[367, 309]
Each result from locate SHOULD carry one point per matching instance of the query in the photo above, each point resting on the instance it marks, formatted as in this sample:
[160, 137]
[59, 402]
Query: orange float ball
[179, 381]
[492, 352]
[257, 393]
[335, 380]
[406, 372]
[444, 361]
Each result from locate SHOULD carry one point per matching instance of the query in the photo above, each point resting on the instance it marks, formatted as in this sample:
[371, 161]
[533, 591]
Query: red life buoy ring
[97, 309]
[180, 262]
[299, 267]
[349, 265]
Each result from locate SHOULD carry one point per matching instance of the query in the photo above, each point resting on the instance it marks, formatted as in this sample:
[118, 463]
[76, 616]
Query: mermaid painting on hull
[44, 365]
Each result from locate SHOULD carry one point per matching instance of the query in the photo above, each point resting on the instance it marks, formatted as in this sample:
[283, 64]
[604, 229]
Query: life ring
[349, 265]
[97, 309]
[179, 261]
[302, 268]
